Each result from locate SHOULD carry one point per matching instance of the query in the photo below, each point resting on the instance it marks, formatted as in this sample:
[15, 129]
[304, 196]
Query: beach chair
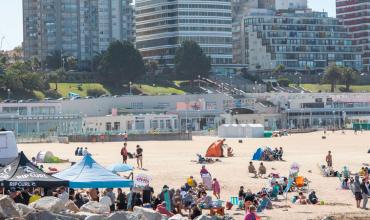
[234, 200]
[263, 204]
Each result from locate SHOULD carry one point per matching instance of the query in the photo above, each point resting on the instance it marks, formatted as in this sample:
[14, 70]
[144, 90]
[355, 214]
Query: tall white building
[161, 26]
[74, 27]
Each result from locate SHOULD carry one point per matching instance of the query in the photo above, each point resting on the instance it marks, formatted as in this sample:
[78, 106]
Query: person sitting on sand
[161, 208]
[251, 214]
[275, 153]
[345, 184]
[302, 199]
[205, 201]
[76, 151]
[230, 152]
[252, 169]
[191, 182]
[194, 212]
[261, 170]
[313, 198]
[280, 154]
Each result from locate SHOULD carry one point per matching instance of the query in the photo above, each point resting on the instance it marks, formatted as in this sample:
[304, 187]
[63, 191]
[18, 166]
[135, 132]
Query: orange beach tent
[215, 150]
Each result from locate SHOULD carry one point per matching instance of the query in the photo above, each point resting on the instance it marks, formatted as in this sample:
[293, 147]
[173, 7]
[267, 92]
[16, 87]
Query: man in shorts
[139, 156]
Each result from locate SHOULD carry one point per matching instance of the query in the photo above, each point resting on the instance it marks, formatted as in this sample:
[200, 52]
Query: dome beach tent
[89, 174]
[215, 150]
[22, 173]
[8, 147]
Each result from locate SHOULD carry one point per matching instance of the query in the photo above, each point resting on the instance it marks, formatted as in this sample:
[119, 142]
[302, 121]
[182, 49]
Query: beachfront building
[161, 26]
[299, 39]
[74, 28]
[241, 8]
[38, 119]
[355, 15]
[133, 124]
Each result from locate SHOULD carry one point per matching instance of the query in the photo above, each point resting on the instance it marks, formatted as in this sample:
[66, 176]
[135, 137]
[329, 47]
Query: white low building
[142, 123]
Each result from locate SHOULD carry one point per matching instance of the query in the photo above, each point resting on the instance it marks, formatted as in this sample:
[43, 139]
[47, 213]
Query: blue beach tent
[89, 174]
[258, 154]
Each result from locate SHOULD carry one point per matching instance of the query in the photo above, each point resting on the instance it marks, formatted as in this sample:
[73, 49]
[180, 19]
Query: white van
[8, 147]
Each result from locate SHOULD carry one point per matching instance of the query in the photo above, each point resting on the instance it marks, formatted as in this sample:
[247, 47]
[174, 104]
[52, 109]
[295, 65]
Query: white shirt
[64, 196]
[105, 200]
[84, 152]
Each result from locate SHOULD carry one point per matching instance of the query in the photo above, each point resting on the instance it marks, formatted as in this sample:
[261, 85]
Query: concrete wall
[132, 137]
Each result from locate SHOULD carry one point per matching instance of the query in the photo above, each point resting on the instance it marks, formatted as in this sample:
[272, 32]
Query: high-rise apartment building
[74, 27]
[162, 25]
[298, 39]
[242, 8]
[355, 15]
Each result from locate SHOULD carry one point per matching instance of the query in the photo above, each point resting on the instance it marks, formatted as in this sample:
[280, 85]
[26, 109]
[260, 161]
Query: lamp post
[8, 90]
[199, 81]
[130, 87]
[300, 79]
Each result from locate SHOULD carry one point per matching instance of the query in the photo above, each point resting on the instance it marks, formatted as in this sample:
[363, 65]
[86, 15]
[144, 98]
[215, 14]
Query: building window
[108, 126]
[139, 125]
[154, 124]
[117, 126]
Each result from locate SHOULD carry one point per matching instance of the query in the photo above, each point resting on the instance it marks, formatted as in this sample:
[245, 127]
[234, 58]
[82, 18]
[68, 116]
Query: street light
[8, 90]
[300, 79]
[199, 81]
[130, 87]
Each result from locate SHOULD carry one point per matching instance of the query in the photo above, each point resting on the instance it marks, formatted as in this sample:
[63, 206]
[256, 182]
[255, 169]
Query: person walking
[139, 157]
[329, 159]
[216, 188]
[124, 153]
[357, 191]
[364, 192]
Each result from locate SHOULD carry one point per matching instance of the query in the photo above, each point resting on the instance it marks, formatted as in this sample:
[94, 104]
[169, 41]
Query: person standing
[121, 200]
[216, 188]
[125, 136]
[124, 153]
[357, 191]
[329, 159]
[251, 214]
[139, 156]
[364, 192]
[112, 197]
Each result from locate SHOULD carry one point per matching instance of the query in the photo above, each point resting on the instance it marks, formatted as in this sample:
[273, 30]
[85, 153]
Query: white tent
[231, 131]
[254, 131]
[8, 147]
[240, 131]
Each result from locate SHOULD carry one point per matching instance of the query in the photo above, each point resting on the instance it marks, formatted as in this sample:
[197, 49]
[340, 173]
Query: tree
[35, 64]
[191, 61]
[332, 75]
[71, 63]
[349, 76]
[122, 62]
[279, 69]
[54, 60]
[57, 76]
[151, 67]
[17, 53]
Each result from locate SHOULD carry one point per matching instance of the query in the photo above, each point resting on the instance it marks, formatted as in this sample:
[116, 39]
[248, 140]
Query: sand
[169, 162]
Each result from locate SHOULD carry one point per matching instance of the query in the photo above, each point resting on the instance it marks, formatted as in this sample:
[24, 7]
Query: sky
[11, 30]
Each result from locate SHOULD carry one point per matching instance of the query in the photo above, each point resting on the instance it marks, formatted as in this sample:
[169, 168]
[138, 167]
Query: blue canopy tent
[89, 174]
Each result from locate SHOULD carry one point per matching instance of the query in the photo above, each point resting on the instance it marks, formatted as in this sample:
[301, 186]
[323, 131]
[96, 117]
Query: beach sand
[169, 162]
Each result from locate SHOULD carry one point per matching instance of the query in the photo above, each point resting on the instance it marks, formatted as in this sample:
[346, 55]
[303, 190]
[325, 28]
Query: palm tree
[332, 75]
[279, 69]
[349, 76]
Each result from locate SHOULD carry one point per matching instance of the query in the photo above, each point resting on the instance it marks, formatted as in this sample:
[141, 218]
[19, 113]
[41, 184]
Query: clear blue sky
[11, 19]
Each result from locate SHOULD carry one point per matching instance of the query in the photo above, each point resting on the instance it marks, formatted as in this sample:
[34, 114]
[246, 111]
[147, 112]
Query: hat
[165, 187]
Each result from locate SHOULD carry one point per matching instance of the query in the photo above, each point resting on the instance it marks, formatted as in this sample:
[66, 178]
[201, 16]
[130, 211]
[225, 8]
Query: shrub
[95, 92]
[284, 82]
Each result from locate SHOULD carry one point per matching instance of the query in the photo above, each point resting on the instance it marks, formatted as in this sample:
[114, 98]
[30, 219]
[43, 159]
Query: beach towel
[167, 199]
[207, 181]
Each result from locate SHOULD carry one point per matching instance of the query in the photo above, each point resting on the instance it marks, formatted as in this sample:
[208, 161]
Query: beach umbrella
[120, 167]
